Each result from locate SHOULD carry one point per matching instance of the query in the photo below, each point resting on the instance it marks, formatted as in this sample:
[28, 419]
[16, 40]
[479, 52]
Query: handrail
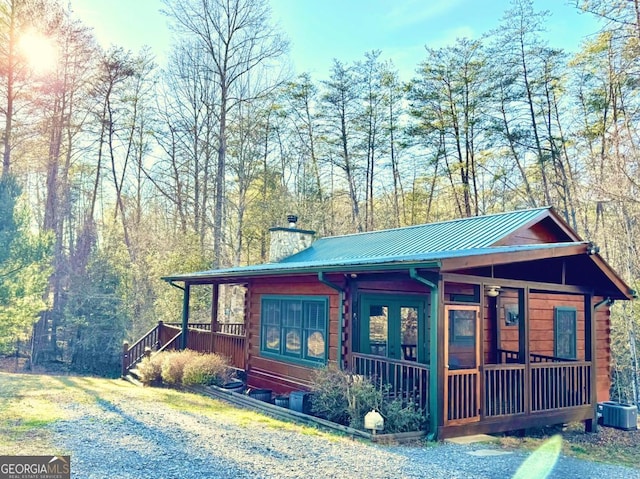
[203, 326]
[507, 355]
[148, 333]
[171, 344]
[400, 362]
[134, 354]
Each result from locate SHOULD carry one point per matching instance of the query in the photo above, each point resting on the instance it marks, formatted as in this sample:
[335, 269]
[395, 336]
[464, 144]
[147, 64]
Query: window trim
[282, 354]
[574, 345]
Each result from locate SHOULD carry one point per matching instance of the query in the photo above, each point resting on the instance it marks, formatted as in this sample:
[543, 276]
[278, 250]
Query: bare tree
[240, 42]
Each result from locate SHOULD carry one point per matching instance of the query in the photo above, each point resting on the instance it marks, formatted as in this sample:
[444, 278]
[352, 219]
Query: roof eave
[230, 276]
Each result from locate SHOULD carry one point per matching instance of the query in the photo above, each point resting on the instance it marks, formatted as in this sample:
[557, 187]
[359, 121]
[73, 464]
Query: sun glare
[39, 52]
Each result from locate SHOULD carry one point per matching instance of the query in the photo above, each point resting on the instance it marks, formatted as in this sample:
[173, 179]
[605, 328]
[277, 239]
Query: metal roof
[419, 244]
[455, 235]
[422, 260]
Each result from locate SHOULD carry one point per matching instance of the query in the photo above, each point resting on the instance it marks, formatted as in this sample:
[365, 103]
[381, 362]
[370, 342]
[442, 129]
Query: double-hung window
[565, 332]
[295, 327]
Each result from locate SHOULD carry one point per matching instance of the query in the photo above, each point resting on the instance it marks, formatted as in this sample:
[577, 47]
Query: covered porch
[490, 355]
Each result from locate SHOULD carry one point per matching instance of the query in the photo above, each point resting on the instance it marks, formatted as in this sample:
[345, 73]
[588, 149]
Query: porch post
[591, 425]
[523, 333]
[185, 316]
[434, 365]
[215, 294]
[435, 333]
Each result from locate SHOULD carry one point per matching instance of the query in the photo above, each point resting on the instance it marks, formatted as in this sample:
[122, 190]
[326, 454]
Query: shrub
[150, 369]
[402, 417]
[174, 363]
[345, 399]
[329, 386]
[206, 369]
[362, 396]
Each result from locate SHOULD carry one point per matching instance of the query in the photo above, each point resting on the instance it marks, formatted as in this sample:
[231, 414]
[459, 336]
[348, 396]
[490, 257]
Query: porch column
[435, 350]
[185, 316]
[591, 425]
[523, 333]
[215, 294]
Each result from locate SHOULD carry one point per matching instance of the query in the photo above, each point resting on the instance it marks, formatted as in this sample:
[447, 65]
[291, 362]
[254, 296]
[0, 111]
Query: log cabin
[490, 323]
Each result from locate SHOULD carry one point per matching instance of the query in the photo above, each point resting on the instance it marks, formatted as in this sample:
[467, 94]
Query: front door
[392, 326]
[461, 368]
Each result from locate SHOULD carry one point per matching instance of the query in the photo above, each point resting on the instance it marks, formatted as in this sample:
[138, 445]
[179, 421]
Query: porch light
[492, 291]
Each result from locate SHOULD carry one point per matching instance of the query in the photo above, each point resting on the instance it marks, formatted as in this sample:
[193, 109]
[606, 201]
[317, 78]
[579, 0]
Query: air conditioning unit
[619, 415]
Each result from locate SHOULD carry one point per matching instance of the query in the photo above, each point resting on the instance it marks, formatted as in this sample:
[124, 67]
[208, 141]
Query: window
[295, 327]
[462, 324]
[565, 320]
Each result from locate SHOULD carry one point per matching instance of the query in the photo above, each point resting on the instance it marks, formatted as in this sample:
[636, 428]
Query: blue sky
[320, 30]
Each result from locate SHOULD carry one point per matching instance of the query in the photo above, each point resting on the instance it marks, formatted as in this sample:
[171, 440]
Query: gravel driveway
[129, 437]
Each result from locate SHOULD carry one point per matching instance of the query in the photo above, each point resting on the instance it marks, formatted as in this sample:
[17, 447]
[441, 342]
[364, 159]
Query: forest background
[116, 171]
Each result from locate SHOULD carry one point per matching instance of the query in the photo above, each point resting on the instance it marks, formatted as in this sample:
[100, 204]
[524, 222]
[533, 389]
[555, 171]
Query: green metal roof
[455, 235]
[420, 260]
[425, 245]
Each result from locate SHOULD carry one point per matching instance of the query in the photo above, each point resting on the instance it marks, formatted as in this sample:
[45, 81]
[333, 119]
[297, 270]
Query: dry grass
[608, 445]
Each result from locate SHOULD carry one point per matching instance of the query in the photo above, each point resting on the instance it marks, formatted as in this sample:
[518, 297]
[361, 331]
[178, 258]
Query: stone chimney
[288, 241]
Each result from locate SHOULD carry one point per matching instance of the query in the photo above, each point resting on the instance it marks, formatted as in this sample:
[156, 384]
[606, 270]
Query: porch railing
[235, 329]
[204, 326]
[225, 344]
[132, 355]
[231, 346]
[167, 336]
[507, 356]
[462, 396]
[553, 385]
[404, 379]
[504, 389]
[560, 385]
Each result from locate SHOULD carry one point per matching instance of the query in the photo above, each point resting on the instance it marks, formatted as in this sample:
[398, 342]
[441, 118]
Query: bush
[362, 396]
[345, 399]
[174, 363]
[401, 417]
[329, 386]
[150, 369]
[206, 369]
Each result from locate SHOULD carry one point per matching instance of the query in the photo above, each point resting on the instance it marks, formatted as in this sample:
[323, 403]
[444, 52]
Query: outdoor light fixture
[492, 291]
[592, 249]
[374, 421]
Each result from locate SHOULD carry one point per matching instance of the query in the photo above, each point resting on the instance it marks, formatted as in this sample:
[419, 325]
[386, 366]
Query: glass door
[391, 325]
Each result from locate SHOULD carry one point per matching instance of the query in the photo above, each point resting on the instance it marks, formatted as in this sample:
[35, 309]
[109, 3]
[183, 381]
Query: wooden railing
[403, 379]
[462, 396]
[204, 326]
[560, 385]
[231, 346]
[197, 339]
[504, 389]
[132, 355]
[543, 358]
[235, 329]
[168, 336]
[507, 356]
